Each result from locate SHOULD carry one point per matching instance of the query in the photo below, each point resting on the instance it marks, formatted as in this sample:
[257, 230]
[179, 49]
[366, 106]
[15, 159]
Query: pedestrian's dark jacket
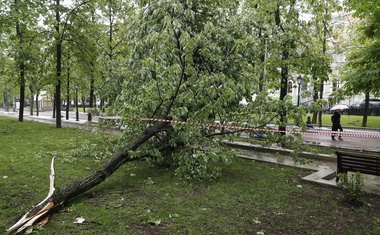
[336, 119]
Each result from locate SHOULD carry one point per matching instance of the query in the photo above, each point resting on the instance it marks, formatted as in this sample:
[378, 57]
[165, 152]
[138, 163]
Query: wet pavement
[353, 138]
[356, 139]
[323, 165]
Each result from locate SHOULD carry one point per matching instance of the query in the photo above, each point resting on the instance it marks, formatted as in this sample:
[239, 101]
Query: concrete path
[317, 136]
[359, 139]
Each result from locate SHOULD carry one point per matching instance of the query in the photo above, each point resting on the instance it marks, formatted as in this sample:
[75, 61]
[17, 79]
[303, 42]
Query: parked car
[358, 108]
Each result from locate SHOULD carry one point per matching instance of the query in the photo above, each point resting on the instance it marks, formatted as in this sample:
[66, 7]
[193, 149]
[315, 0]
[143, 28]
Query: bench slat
[357, 162]
[360, 161]
[354, 168]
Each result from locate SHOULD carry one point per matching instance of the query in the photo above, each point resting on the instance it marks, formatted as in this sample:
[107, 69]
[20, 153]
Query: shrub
[352, 186]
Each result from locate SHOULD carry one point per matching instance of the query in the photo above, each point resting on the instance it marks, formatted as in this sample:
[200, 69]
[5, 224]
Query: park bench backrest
[353, 162]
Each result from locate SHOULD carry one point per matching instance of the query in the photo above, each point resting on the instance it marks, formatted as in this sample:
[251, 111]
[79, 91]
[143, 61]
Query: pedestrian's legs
[340, 133]
[334, 128]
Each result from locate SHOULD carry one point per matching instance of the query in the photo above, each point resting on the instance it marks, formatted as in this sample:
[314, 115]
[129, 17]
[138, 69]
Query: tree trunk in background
[6, 102]
[31, 101]
[284, 76]
[283, 91]
[322, 82]
[92, 97]
[21, 66]
[58, 123]
[68, 94]
[54, 107]
[366, 109]
[83, 104]
[37, 108]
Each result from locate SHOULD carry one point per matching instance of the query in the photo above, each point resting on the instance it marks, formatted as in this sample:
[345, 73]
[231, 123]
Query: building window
[290, 87]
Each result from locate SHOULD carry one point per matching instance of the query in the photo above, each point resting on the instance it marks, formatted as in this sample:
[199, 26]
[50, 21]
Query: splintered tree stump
[38, 215]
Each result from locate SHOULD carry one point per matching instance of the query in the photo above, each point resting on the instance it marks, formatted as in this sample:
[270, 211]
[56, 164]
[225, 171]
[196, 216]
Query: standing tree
[113, 18]
[317, 52]
[24, 15]
[362, 70]
[61, 17]
[85, 34]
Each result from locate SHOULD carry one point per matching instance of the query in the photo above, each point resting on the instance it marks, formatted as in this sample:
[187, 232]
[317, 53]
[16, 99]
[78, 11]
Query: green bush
[352, 186]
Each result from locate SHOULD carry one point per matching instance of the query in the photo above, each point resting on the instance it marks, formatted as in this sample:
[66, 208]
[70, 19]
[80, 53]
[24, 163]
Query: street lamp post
[76, 102]
[299, 81]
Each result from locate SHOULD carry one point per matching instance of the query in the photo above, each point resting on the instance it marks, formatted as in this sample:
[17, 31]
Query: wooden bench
[110, 121]
[353, 122]
[354, 162]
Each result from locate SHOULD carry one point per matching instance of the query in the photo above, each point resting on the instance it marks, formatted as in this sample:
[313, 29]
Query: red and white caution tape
[288, 130]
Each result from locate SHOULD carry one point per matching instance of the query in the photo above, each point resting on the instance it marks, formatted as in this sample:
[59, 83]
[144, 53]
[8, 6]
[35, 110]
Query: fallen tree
[192, 63]
[57, 198]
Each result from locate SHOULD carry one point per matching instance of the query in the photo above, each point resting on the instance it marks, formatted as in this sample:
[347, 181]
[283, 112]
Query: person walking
[336, 124]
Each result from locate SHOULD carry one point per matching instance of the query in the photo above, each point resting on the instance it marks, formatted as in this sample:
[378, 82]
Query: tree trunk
[22, 97]
[21, 67]
[31, 101]
[59, 67]
[92, 97]
[324, 49]
[70, 191]
[366, 109]
[284, 75]
[54, 107]
[83, 104]
[37, 108]
[315, 114]
[6, 102]
[68, 94]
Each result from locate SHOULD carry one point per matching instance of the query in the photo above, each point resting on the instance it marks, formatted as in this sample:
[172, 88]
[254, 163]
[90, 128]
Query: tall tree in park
[61, 17]
[87, 33]
[284, 33]
[113, 18]
[317, 53]
[59, 32]
[362, 70]
[39, 78]
[7, 84]
[24, 15]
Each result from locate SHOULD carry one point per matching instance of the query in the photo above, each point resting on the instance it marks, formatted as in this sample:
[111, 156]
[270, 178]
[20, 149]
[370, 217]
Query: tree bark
[70, 191]
[58, 67]
[6, 102]
[37, 107]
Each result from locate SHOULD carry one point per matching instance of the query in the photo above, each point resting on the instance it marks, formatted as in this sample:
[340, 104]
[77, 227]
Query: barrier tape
[288, 130]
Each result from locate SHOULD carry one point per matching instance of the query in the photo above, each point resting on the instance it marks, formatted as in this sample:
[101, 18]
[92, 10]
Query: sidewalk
[348, 142]
[321, 137]
[47, 117]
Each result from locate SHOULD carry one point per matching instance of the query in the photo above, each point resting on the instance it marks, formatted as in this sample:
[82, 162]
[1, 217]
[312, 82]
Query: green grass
[372, 121]
[251, 197]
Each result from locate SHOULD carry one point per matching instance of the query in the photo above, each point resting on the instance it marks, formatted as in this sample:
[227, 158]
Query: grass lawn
[251, 197]
[349, 121]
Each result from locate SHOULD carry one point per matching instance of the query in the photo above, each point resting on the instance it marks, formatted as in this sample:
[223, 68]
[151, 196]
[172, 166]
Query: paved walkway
[356, 141]
[320, 137]
[324, 166]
